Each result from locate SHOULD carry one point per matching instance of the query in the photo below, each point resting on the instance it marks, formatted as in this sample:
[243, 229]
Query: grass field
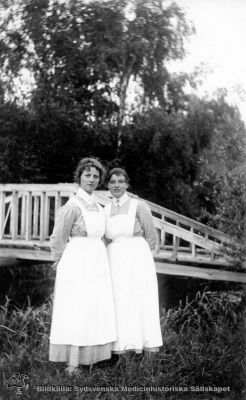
[203, 356]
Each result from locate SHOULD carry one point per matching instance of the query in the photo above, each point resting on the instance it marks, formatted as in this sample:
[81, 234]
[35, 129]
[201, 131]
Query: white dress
[134, 284]
[83, 311]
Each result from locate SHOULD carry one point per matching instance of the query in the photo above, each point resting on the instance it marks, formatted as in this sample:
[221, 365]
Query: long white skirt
[136, 295]
[83, 310]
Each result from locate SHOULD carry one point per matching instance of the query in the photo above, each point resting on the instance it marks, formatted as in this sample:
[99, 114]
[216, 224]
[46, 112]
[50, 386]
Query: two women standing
[103, 303]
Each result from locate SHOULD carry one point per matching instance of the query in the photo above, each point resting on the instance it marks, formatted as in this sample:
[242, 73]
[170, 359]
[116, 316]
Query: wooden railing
[27, 213]
[183, 229]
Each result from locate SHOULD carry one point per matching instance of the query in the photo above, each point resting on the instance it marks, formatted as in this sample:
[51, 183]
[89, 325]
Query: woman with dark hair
[83, 320]
[130, 227]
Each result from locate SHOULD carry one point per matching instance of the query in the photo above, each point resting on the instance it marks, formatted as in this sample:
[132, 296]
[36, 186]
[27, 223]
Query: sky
[219, 43]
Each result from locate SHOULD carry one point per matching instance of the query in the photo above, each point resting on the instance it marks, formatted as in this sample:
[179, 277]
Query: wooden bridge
[185, 247]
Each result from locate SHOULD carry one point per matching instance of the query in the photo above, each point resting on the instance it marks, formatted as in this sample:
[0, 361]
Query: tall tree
[85, 54]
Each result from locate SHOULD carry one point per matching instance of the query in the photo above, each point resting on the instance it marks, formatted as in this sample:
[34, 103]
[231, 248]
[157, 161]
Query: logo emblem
[18, 381]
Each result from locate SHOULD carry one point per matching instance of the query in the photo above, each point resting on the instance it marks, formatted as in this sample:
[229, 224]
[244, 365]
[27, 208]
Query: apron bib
[94, 220]
[121, 225]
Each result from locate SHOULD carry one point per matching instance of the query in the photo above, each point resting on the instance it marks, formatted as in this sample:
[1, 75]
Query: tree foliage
[223, 150]
[83, 57]
[83, 54]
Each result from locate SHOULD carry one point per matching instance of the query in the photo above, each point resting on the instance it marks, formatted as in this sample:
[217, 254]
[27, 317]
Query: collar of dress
[121, 200]
[89, 198]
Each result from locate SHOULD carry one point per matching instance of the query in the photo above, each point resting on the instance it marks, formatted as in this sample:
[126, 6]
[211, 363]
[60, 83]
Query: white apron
[134, 284]
[83, 310]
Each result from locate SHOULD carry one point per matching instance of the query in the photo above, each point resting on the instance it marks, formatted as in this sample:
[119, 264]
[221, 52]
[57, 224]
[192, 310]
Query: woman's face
[89, 179]
[117, 185]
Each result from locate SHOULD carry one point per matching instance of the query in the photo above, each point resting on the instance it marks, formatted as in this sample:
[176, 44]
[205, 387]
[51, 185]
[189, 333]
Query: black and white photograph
[122, 199]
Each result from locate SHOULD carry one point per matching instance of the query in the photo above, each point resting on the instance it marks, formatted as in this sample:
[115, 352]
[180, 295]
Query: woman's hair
[118, 171]
[87, 163]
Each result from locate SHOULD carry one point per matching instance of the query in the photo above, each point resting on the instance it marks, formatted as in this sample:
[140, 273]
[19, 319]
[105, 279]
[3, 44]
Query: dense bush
[229, 212]
[209, 312]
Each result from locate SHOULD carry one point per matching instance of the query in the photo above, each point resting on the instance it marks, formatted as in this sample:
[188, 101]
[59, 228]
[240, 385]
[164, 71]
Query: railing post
[206, 237]
[14, 216]
[158, 234]
[28, 232]
[35, 215]
[175, 245]
[43, 199]
[46, 217]
[2, 213]
[163, 234]
[23, 215]
[57, 202]
[193, 246]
